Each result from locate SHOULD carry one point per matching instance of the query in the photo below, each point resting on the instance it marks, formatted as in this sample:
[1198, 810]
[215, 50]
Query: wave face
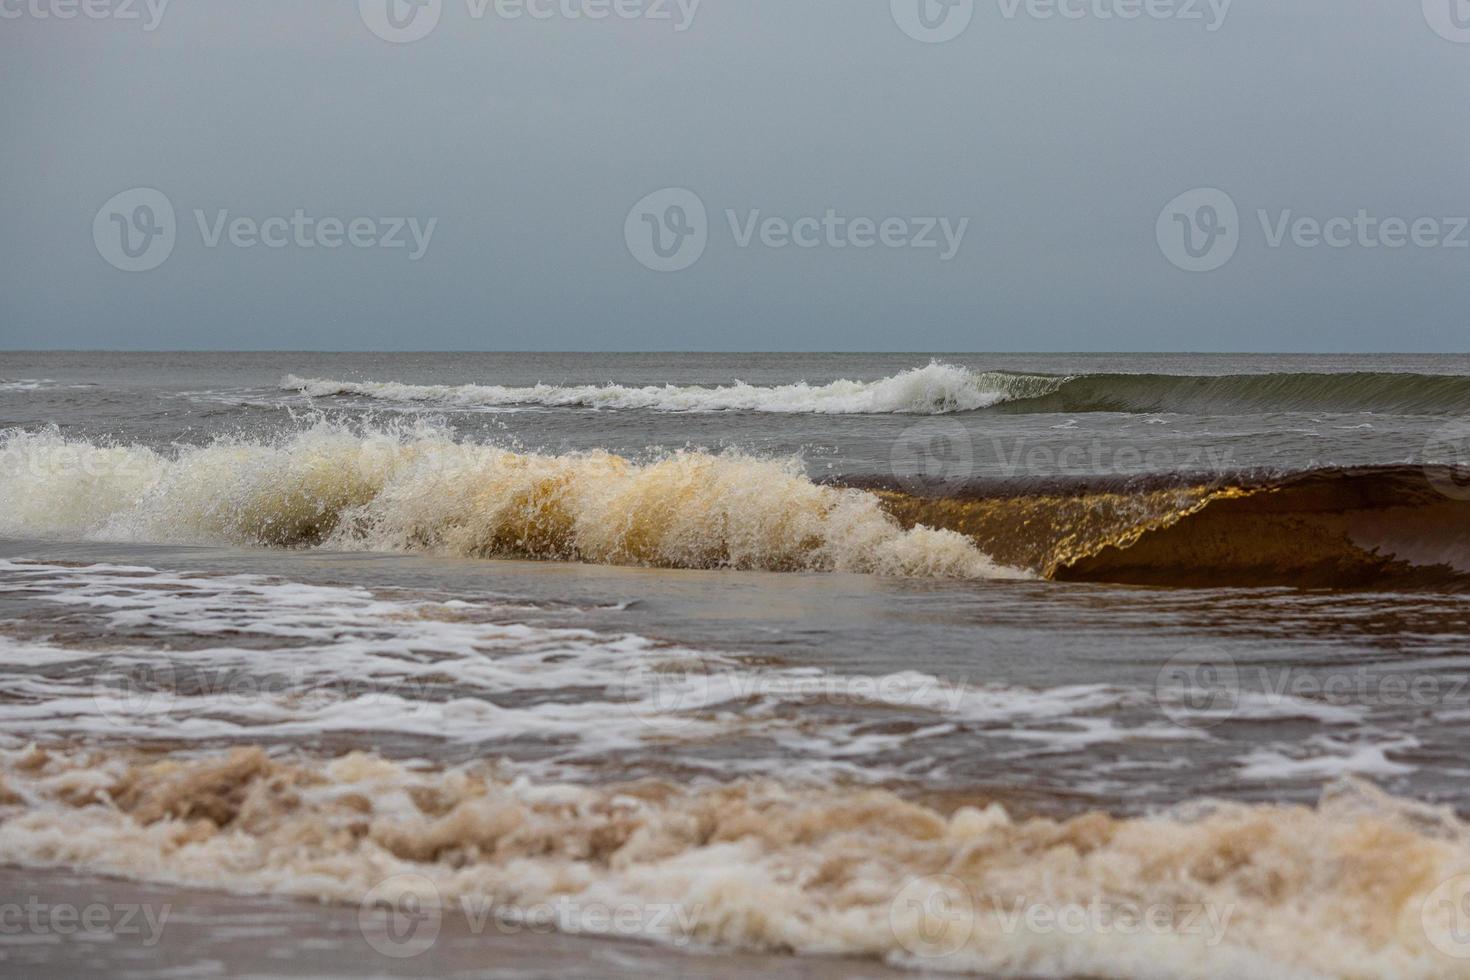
[1401, 526]
[418, 489]
[946, 388]
[1248, 394]
[1362, 885]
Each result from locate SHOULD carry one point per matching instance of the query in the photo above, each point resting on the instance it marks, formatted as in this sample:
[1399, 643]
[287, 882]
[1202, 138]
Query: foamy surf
[162, 658]
[940, 388]
[1362, 885]
[420, 489]
[932, 390]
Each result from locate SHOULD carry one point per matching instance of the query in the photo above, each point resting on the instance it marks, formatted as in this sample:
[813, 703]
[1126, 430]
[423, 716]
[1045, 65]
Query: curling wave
[420, 489]
[1333, 528]
[940, 388]
[1363, 885]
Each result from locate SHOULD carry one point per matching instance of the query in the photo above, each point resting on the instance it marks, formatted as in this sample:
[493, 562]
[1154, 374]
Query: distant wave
[1249, 394]
[939, 389]
[933, 390]
[420, 489]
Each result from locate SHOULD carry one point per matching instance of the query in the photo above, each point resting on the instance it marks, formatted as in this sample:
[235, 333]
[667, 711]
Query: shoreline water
[778, 665]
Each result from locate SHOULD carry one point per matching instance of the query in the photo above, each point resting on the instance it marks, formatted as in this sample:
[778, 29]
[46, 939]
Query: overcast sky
[975, 177]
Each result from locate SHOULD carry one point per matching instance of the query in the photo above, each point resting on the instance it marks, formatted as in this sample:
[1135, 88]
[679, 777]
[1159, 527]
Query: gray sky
[530, 140]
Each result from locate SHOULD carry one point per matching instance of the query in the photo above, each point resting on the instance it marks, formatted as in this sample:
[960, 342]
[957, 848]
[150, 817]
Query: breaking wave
[1363, 885]
[420, 489]
[940, 388]
[1399, 526]
[933, 390]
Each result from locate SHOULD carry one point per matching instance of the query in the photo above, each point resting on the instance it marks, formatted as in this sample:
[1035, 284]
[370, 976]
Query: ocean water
[1051, 665]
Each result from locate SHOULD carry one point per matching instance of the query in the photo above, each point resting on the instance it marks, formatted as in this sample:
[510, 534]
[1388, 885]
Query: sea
[610, 665]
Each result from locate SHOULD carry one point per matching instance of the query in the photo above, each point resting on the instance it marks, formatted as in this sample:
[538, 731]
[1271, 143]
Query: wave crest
[420, 489]
[933, 390]
[940, 388]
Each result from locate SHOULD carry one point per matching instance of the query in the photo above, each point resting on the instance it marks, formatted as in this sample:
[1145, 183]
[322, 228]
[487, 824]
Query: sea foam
[932, 390]
[1362, 885]
[421, 489]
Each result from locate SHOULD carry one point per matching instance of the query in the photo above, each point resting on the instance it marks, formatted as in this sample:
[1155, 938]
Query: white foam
[1362, 885]
[419, 488]
[1324, 757]
[932, 390]
[239, 656]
